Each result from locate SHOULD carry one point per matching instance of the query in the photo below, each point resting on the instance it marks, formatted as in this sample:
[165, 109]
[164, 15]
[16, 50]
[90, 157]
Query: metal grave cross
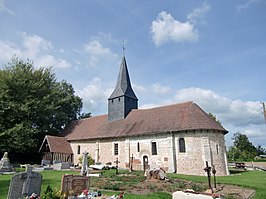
[207, 169]
[116, 162]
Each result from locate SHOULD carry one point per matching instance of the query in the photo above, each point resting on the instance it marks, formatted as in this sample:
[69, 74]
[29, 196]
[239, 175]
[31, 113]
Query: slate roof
[177, 117]
[123, 85]
[57, 144]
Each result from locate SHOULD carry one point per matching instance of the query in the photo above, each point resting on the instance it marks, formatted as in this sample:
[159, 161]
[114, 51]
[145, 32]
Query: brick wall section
[200, 145]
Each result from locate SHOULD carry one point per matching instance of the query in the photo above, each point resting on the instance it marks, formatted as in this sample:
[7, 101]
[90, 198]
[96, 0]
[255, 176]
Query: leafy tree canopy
[243, 149]
[215, 118]
[32, 105]
[85, 115]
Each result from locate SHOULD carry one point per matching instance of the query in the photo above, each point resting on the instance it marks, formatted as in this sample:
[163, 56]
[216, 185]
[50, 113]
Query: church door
[145, 163]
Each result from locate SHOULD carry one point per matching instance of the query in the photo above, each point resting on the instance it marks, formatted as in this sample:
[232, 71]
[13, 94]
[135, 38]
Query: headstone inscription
[5, 163]
[25, 184]
[74, 183]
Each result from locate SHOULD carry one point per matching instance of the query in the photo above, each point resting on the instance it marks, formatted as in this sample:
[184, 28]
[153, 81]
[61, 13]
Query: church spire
[123, 85]
[123, 98]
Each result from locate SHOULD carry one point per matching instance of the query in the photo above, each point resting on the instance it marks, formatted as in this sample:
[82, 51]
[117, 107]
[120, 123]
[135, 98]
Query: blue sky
[209, 52]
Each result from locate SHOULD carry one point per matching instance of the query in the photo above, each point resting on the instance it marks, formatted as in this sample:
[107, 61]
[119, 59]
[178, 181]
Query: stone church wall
[201, 146]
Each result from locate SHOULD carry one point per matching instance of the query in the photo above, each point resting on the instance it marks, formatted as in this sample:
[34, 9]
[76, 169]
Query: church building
[177, 138]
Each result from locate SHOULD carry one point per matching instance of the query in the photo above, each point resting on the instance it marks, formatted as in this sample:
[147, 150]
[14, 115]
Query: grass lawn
[249, 179]
[53, 178]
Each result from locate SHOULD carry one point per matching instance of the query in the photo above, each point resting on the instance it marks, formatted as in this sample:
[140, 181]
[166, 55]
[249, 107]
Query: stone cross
[116, 162]
[207, 169]
[84, 167]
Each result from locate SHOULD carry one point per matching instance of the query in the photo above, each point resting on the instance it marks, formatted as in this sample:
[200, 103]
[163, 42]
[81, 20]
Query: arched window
[182, 145]
[78, 152]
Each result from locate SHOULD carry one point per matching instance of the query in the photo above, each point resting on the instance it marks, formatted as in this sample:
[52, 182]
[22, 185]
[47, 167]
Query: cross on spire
[123, 47]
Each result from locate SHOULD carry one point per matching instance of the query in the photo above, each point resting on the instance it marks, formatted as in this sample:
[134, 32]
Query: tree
[85, 115]
[243, 149]
[32, 105]
[215, 118]
[260, 150]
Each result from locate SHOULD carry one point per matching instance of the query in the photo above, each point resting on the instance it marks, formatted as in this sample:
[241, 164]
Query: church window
[116, 149]
[153, 148]
[78, 152]
[217, 149]
[182, 145]
[138, 147]
[119, 99]
[112, 101]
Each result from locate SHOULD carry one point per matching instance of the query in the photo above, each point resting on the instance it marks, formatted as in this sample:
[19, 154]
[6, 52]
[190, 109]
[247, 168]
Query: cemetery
[59, 180]
[174, 151]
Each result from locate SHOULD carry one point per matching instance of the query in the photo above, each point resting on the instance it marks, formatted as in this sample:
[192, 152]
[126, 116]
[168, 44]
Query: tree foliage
[243, 149]
[85, 115]
[33, 104]
[215, 118]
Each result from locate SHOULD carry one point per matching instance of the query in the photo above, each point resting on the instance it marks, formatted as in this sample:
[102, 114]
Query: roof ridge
[102, 115]
[168, 105]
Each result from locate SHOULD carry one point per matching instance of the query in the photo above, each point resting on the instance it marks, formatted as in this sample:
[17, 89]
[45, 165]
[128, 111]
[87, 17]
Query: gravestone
[25, 184]
[5, 163]
[84, 167]
[46, 162]
[61, 166]
[74, 183]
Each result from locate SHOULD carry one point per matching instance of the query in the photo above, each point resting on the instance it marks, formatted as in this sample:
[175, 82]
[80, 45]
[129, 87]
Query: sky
[210, 52]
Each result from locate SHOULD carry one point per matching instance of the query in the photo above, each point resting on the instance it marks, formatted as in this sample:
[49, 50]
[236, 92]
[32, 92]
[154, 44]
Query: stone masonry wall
[201, 146]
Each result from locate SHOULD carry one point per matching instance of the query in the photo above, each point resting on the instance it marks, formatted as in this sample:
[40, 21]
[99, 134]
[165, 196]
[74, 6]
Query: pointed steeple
[123, 98]
[123, 85]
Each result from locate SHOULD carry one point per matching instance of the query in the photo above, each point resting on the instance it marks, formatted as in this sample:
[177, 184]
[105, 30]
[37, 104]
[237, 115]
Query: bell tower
[123, 98]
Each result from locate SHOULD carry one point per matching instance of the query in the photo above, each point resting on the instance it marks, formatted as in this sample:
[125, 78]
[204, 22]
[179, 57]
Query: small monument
[74, 183]
[5, 164]
[25, 184]
[84, 167]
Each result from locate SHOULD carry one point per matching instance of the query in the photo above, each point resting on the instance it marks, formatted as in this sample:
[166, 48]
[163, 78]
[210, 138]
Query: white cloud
[94, 95]
[7, 50]
[159, 89]
[97, 52]
[198, 13]
[139, 88]
[246, 5]
[33, 47]
[147, 106]
[50, 60]
[165, 28]
[3, 7]
[232, 112]
[253, 132]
